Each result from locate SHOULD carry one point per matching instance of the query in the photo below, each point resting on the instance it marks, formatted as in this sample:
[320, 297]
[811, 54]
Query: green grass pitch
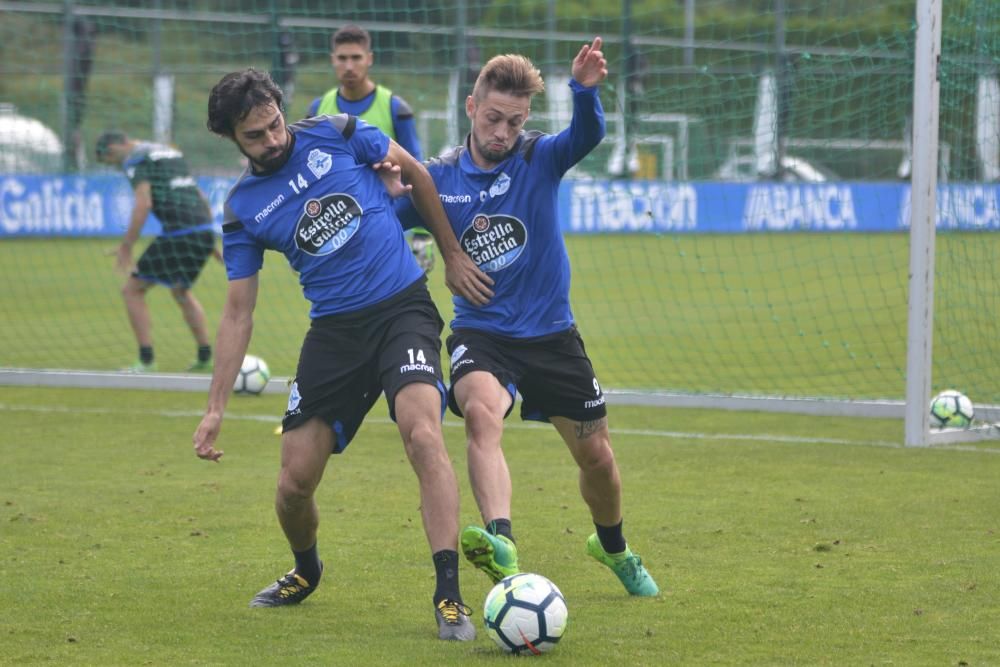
[776, 314]
[776, 540]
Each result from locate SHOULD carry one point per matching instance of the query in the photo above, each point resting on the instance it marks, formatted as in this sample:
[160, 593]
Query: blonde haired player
[499, 192]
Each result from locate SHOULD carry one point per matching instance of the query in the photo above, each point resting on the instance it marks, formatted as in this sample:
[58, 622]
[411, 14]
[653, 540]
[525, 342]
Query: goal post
[923, 224]
[923, 217]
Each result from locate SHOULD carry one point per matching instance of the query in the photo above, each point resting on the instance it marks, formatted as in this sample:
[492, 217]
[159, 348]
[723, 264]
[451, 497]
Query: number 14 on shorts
[417, 362]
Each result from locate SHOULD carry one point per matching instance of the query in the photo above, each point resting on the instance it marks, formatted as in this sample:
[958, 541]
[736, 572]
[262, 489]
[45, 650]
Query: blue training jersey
[505, 220]
[328, 212]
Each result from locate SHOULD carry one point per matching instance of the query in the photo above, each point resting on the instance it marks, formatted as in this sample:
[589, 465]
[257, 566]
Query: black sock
[446, 569]
[146, 354]
[500, 527]
[204, 353]
[307, 565]
[611, 537]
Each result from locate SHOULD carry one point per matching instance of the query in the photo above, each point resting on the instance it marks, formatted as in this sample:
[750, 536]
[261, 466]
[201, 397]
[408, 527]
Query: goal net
[743, 230]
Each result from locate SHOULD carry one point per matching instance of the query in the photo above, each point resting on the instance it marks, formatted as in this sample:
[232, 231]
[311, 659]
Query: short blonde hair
[512, 74]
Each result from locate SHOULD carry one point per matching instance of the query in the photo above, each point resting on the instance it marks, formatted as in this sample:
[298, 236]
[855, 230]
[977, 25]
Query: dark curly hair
[236, 94]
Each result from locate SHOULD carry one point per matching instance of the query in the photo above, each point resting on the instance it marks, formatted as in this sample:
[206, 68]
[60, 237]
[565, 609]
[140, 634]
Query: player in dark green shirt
[163, 186]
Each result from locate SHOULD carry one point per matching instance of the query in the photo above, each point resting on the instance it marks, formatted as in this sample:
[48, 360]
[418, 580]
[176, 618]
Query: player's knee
[131, 291]
[293, 490]
[479, 413]
[425, 448]
[422, 434]
[598, 457]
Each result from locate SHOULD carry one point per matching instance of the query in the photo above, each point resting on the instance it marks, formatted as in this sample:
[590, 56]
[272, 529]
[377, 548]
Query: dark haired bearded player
[310, 193]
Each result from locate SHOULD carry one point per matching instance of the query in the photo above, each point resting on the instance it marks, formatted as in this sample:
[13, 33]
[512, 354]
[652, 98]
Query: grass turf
[777, 314]
[776, 540]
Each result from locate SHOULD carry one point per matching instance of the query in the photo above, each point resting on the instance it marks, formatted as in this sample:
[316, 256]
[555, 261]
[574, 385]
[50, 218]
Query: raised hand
[589, 65]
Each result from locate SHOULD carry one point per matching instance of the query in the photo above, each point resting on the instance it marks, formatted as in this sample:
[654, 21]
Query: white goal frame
[923, 215]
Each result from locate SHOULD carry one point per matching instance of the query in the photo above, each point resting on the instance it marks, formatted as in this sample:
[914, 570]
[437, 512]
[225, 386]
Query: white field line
[512, 425]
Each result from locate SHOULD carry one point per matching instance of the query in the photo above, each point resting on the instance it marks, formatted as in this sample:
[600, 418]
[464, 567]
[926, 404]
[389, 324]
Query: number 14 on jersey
[298, 184]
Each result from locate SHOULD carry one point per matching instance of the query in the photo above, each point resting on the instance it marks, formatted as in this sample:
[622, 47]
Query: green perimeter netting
[789, 313]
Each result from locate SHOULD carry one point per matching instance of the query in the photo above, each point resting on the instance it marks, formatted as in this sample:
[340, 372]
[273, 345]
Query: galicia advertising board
[81, 205]
[100, 206]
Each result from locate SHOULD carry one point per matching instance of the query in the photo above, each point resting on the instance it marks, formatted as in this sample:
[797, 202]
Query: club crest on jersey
[319, 162]
[327, 224]
[494, 242]
[501, 185]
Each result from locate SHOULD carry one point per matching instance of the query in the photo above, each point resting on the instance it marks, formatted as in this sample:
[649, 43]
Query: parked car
[743, 168]
[27, 146]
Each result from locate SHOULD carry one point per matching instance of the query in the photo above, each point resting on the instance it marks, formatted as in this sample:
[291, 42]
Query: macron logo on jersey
[455, 199]
[164, 153]
[267, 210]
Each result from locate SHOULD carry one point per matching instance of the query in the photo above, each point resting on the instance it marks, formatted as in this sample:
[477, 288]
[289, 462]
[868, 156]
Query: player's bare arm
[216, 252]
[462, 276]
[231, 343]
[140, 211]
[589, 66]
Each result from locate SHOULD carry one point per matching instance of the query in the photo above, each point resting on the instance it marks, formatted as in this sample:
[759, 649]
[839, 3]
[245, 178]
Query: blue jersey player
[499, 191]
[310, 193]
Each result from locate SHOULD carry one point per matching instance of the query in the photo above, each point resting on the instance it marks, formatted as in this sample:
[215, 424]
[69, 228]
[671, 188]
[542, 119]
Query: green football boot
[493, 554]
[627, 567]
[200, 367]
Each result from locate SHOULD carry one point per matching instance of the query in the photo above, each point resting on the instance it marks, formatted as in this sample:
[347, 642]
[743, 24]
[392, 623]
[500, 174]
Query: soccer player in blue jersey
[310, 193]
[499, 191]
[358, 95]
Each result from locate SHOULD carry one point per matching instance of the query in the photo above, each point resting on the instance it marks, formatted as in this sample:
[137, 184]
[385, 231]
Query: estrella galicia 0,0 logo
[327, 224]
[494, 242]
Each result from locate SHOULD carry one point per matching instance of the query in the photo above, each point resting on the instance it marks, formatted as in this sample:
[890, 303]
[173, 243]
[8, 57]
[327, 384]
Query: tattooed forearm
[584, 429]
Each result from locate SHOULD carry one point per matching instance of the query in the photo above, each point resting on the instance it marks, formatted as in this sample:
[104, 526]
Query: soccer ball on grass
[951, 409]
[525, 614]
[253, 376]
